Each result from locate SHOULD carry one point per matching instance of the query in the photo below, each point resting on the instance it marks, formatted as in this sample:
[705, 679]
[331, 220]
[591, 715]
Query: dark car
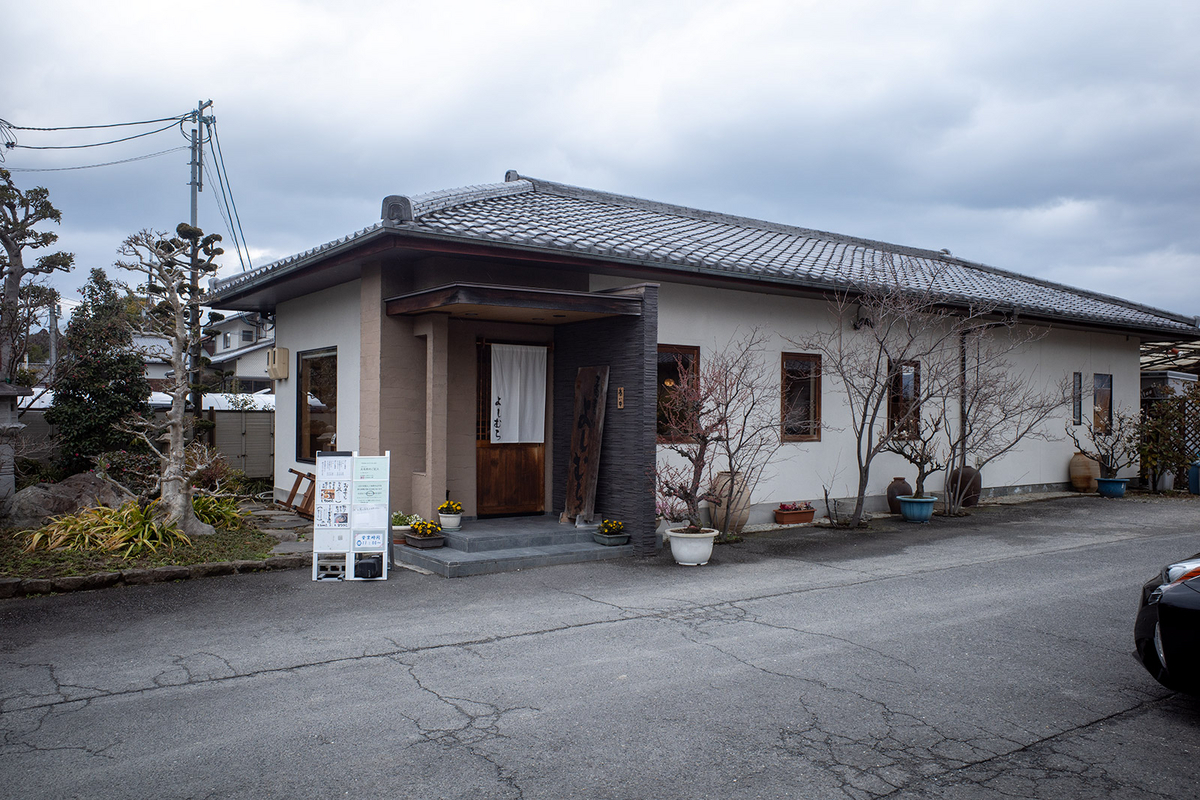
[1167, 630]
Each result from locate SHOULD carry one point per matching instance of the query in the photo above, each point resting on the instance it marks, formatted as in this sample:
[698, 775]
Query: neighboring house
[156, 353]
[237, 349]
[390, 334]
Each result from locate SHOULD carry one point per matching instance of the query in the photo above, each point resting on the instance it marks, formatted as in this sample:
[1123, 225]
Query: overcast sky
[1057, 139]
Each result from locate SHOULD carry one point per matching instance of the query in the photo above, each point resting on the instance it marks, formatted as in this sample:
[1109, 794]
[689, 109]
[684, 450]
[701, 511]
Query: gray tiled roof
[540, 215]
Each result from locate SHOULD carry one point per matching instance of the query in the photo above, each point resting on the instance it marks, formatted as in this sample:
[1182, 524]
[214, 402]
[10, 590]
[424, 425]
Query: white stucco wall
[329, 318]
[709, 318]
[252, 365]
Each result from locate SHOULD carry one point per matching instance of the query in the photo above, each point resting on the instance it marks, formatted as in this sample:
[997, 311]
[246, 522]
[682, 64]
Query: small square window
[247, 336]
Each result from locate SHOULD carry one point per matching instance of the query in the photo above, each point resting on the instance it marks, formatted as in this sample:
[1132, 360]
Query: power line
[105, 164]
[226, 217]
[92, 127]
[223, 180]
[12, 144]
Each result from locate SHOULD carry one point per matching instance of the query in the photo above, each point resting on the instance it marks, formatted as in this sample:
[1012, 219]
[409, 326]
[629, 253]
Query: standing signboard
[351, 516]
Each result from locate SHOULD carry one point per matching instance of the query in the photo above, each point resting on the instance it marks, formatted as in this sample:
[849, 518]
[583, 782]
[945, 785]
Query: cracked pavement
[983, 657]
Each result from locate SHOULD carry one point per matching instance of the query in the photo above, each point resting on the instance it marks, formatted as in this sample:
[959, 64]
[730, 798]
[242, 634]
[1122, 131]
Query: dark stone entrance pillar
[628, 346]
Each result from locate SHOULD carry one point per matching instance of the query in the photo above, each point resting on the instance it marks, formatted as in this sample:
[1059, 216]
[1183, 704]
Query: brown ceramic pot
[896, 489]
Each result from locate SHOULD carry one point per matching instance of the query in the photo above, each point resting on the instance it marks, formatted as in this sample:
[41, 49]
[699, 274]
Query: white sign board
[350, 513]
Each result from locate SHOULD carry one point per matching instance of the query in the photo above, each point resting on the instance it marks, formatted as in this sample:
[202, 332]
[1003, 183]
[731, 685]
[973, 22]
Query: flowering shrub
[426, 528]
[795, 507]
[450, 507]
[610, 527]
[669, 508]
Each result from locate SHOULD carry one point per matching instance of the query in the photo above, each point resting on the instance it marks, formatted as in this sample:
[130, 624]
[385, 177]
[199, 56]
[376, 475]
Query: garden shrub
[129, 529]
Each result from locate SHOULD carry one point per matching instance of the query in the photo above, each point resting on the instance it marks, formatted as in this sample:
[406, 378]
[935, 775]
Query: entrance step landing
[489, 546]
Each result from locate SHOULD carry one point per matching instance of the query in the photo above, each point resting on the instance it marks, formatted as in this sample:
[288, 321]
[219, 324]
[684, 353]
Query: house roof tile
[535, 214]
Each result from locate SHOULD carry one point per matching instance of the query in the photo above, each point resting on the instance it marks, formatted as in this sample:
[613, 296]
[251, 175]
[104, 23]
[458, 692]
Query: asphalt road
[986, 657]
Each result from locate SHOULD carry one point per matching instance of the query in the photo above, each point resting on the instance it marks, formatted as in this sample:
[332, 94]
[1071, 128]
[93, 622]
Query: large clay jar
[740, 509]
[965, 483]
[896, 489]
[1084, 471]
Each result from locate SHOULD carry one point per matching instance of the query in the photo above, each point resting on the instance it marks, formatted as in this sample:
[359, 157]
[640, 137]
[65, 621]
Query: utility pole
[50, 373]
[197, 185]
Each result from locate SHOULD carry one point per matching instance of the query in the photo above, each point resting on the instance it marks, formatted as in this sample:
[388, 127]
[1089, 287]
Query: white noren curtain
[518, 393]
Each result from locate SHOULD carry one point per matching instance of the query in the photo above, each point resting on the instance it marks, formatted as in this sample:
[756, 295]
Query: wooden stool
[308, 499]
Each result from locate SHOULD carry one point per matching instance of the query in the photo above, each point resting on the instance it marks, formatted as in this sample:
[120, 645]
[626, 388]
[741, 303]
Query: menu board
[351, 509]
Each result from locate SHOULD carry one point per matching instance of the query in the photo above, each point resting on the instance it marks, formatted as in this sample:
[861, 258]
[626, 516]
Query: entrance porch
[506, 544]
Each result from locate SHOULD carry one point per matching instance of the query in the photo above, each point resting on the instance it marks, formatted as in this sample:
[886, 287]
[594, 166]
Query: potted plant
[794, 513]
[1113, 444]
[401, 525]
[690, 424]
[919, 447]
[425, 534]
[450, 515]
[611, 533]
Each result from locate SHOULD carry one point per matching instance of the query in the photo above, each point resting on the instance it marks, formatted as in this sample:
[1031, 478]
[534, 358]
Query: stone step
[473, 540]
[451, 562]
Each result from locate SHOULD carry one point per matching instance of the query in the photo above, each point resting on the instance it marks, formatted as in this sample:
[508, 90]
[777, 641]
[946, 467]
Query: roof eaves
[284, 266]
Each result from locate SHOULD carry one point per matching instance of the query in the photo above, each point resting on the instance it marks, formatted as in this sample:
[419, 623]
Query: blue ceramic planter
[1111, 487]
[917, 509]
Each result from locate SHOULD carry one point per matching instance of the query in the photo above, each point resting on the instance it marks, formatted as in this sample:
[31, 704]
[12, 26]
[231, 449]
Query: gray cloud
[1055, 140]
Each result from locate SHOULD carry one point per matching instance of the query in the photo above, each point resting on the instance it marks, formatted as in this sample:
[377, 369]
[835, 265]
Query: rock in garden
[34, 505]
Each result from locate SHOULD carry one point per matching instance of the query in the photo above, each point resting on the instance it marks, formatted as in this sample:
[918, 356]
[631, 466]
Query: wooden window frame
[302, 407]
[912, 429]
[815, 418]
[692, 351]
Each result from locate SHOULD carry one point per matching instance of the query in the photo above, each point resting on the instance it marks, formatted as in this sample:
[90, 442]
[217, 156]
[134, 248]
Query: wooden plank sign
[587, 431]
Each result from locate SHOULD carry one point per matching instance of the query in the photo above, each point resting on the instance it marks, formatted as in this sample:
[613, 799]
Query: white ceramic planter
[692, 549]
[450, 522]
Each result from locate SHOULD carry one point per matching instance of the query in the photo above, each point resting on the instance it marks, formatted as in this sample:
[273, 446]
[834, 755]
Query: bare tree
[746, 396]
[690, 427]
[893, 350]
[923, 448]
[1113, 444]
[20, 214]
[168, 265]
[723, 415]
[999, 406]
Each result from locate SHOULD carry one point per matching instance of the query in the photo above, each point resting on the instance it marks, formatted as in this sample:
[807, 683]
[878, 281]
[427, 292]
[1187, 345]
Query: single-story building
[386, 341]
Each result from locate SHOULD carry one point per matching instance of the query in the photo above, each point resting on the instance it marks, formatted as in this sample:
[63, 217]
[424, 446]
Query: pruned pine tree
[21, 212]
[173, 268]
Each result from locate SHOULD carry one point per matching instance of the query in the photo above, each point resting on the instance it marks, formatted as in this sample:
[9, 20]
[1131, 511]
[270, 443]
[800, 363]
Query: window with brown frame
[1101, 402]
[1077, 399]
[904, 403]
[316, 403]
[800, 390]
[674, 361]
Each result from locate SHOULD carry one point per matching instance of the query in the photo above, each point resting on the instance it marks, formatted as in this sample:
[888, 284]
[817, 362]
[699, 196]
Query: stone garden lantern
[9, 428]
